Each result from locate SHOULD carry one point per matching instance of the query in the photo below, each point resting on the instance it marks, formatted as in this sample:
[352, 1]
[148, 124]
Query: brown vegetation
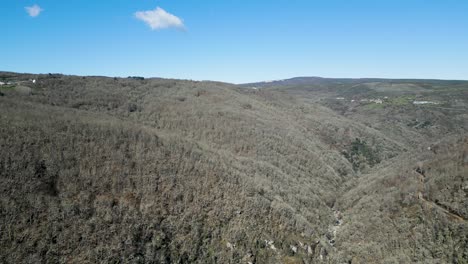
[111, 170]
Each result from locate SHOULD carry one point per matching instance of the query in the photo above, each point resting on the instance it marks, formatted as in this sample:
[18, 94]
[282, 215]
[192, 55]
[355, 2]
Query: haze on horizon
[237, 41]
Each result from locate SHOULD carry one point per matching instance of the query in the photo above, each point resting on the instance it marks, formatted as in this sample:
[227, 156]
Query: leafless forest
[305, 170]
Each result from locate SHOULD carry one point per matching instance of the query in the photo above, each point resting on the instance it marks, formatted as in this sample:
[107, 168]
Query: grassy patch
[373, 106]
[7, 87]
[401, 100]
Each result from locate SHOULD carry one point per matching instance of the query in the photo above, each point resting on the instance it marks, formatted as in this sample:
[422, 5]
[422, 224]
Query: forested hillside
[134, 170]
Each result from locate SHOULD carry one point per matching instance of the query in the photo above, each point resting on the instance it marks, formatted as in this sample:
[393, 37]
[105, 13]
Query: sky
[237, 41]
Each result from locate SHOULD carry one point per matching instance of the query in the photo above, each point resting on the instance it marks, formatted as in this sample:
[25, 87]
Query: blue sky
[237, 40]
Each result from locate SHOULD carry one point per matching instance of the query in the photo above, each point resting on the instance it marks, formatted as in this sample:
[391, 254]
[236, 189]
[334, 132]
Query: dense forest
[305, 170]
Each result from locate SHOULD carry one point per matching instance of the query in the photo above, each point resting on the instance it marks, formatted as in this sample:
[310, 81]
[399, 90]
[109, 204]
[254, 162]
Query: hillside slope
[97, 169]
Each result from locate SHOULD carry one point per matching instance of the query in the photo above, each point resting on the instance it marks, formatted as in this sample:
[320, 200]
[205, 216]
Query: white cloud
[34, 10]
[159, 19]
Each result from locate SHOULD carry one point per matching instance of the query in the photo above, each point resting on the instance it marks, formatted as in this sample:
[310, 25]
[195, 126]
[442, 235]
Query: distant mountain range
[326, 81]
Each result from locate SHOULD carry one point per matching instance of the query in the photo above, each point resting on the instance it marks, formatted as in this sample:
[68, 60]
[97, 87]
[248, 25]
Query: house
[2, 83]
[425, 102]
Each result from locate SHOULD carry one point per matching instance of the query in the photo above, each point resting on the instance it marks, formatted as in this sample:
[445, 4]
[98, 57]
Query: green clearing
[7, 87]
[401, 100]
[373, 106]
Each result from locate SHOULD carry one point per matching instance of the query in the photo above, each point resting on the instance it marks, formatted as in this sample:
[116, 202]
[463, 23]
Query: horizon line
[240, 83]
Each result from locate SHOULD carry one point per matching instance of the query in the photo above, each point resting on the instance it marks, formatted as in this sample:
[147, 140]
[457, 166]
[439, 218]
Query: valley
[304, 170]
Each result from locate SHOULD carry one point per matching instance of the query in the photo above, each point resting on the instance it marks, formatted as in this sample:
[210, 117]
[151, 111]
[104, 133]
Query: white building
[424, 102]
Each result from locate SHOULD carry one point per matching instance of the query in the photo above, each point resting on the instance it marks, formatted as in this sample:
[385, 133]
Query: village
[388, 100]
